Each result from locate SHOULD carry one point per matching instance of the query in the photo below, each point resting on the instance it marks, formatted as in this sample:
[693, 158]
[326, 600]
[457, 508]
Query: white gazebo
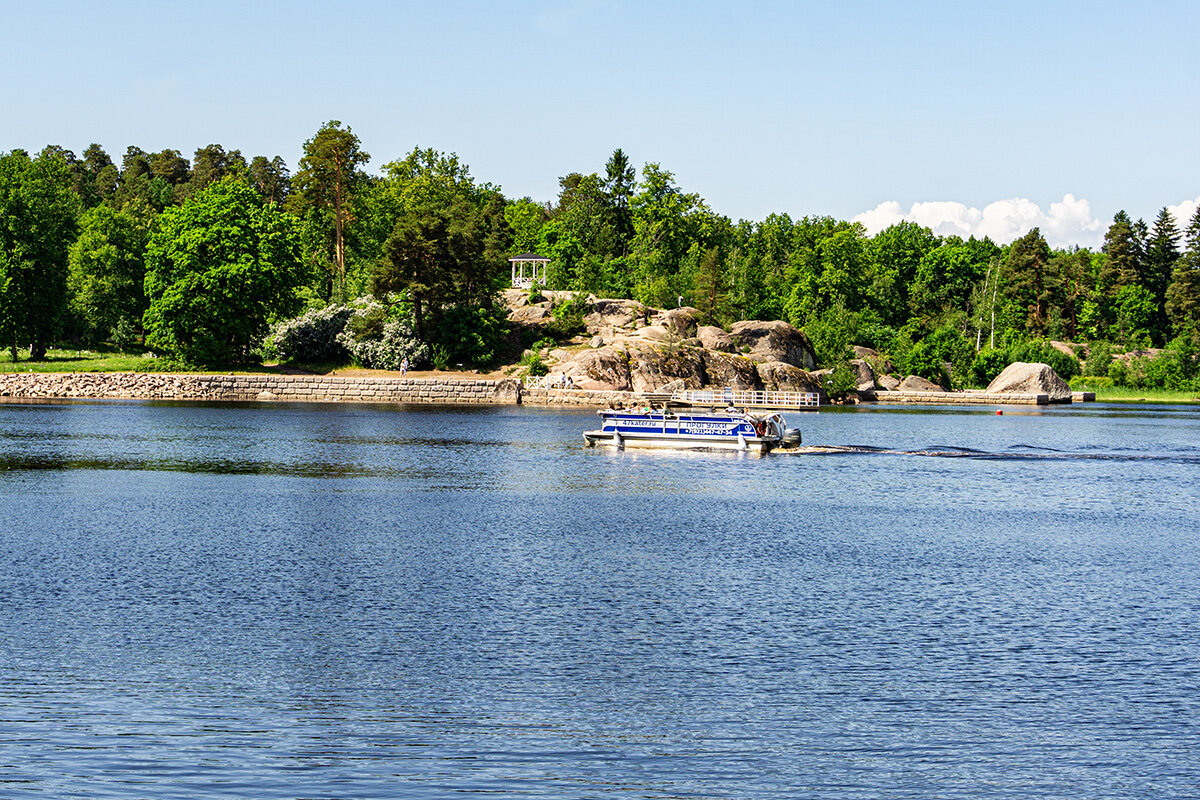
[536, 273]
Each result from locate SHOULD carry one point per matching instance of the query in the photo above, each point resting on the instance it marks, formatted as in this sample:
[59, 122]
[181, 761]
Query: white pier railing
[735, 397]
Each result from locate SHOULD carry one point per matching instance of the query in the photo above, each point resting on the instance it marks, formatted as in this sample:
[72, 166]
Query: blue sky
[971, 117]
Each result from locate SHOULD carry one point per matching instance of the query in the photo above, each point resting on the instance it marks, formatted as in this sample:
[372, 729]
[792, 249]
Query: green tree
[107, 268]
[894, 255]
[218, 269]
[1030, 284]
[171, 166]
[1183, 295]
[946, 275]
[1125, 250]
[619, 184]
[39, 210]
[101, 176]
[136, 175]
[585, 218]
[1162, 253]
[329, 175]
[711, 289]
[663, 234]
[525, 219]
[212, 163]
[270, 178]
[1135, 309]
[448, 237]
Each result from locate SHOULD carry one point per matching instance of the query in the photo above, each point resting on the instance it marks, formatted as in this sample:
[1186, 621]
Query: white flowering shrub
[381, 336]
[312, 337]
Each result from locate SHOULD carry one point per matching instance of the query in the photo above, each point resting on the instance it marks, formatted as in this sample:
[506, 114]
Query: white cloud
[1068, 222]
[1183, 213]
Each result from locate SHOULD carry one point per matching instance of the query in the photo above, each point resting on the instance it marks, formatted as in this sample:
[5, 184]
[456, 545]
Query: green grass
[107, 359]
[1129, 394]
[95, 360]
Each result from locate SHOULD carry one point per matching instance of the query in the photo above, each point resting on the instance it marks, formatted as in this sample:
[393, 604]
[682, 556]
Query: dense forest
[222, 259]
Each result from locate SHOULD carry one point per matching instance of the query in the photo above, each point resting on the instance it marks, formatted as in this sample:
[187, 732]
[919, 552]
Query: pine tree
[1124, 249]
[1183, 295]
[1029, 282]
[328, 176]
[1162, 252]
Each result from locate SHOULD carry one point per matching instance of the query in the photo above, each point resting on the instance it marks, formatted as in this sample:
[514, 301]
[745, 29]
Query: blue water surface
[320, 601]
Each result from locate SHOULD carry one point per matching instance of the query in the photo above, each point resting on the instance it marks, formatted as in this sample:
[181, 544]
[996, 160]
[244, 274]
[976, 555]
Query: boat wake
[1017, 453]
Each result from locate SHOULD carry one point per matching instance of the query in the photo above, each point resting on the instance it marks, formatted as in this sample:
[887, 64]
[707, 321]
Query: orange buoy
[999, 412]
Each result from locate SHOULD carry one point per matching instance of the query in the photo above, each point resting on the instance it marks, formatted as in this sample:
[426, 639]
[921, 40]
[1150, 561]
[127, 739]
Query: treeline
[198, 258]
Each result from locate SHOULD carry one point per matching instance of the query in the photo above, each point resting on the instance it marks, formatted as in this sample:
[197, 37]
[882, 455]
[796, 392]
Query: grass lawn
[97, 360]
[1127, 394]
[103, 359]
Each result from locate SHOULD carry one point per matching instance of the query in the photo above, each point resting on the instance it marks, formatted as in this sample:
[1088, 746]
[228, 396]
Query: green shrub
[472, 335]
[439, 356]
[1098, 359]
[1090, 382]
[876, 335]
[924, 360]
[1066, 366]
[987, 364]
[1176, 367]
[568, 317]
[533, 360]
[840, 382]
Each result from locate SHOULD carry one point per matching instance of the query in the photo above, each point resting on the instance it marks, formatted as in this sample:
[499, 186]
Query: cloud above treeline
[1067, 223]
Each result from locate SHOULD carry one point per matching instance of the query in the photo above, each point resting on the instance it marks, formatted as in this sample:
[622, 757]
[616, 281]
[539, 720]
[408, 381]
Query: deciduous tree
[39, 210]
[107, 268]
[218, 268]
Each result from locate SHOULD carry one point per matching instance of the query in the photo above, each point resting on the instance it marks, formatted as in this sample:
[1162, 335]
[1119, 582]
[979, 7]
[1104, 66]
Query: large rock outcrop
[683, 322]
[608, 317]
[645, 367]
[1023, 378]
[634, 347]
[713, 338]
[774, 341]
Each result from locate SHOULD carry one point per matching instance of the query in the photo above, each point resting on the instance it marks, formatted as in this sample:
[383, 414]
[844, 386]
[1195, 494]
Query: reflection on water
[320, 601]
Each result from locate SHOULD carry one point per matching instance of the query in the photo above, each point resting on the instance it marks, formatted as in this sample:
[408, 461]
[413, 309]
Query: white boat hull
[754, 444]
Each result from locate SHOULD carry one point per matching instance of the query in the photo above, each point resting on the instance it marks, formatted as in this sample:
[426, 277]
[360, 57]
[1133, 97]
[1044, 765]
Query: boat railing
[736, 397]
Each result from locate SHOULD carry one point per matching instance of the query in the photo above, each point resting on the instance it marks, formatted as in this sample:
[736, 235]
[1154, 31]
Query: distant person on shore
[404, 367]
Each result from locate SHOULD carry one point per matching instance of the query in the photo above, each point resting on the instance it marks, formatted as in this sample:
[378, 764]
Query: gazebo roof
[529, 257]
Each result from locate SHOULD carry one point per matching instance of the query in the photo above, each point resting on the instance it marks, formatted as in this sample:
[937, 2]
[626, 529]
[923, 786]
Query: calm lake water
[244, 601]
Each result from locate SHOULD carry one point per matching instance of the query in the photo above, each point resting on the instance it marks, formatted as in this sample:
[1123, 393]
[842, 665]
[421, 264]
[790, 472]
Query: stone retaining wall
[574, 397]
[956, 398]
[309, 388]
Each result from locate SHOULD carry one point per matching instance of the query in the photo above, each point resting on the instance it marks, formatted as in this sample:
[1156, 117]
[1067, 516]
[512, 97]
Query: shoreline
[374, 388]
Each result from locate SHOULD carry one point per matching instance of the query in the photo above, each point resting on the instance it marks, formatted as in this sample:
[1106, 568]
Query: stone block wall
[306, 388]
[955, 398]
